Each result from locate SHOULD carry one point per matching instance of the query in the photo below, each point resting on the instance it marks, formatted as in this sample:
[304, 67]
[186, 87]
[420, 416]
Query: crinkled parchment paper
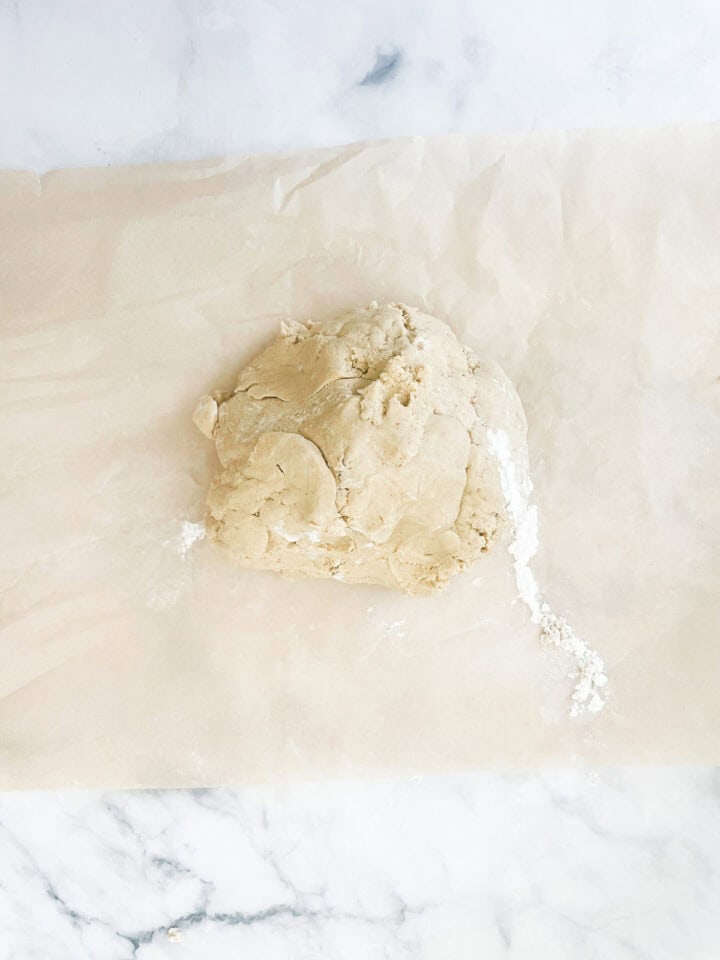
[585, 263]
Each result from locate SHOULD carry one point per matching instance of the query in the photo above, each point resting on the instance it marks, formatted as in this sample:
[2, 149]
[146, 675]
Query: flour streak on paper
[590, 679]
[172, 582]
[190, 533]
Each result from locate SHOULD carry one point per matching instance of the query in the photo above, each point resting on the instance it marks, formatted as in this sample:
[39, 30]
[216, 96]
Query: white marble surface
[94, 83]
[615, 864]
[607, 864]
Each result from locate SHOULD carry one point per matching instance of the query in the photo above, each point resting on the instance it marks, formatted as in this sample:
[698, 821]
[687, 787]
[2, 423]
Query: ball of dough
[358, 449]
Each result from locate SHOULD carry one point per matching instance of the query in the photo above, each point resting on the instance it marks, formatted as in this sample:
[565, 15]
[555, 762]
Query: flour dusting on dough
[590, 679]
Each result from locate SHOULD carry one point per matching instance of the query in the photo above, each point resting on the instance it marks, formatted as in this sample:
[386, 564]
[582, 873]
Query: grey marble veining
[614, 864]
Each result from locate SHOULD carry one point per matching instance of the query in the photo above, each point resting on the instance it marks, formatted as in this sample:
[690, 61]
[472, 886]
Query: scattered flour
[190, 533]
[163, 599]
[280, 530]
[590, 680]
[172, 583]
[314, 536]
[397, 629]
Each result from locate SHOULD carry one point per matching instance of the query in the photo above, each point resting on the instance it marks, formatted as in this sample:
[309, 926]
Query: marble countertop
[611, 864]
[564, 865]
[89, 84]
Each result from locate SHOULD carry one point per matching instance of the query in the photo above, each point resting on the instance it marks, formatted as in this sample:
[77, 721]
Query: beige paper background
[585, 263]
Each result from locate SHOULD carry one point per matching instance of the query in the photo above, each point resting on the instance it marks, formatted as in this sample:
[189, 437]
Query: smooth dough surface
[358, 449]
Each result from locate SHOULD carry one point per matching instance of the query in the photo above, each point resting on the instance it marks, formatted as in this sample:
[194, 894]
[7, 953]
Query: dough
[358, 449]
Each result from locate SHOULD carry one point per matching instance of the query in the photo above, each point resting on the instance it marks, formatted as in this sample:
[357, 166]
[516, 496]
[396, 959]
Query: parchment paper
[585, 263]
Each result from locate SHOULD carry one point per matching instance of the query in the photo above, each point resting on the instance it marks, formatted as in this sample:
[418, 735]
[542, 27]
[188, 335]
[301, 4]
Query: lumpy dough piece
[358, 449]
